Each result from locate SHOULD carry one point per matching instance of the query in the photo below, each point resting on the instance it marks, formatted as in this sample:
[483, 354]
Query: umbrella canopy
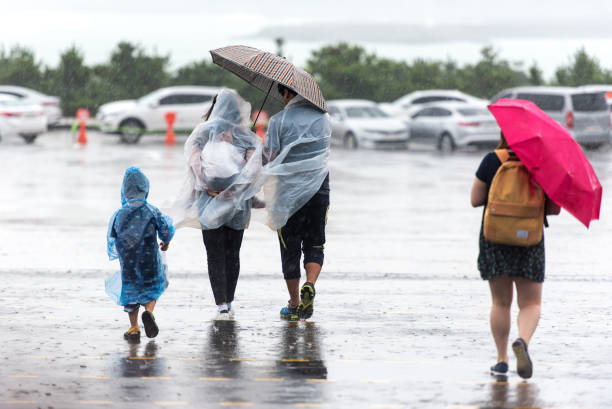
[262, 70]
[553, 157]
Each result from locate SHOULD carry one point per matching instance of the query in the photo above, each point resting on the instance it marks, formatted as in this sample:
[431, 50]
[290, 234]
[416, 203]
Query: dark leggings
[223, 256]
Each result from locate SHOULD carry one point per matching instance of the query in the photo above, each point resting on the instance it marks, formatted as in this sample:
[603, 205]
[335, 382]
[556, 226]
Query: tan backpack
[515, 208]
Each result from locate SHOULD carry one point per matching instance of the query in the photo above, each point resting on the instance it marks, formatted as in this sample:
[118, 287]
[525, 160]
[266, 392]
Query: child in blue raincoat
[132, 237]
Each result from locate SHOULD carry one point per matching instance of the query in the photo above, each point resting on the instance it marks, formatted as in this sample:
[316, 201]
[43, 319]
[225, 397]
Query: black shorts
[304, 232]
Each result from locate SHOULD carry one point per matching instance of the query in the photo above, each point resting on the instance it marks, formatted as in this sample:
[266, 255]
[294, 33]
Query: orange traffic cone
[170, 137]
[82, 139]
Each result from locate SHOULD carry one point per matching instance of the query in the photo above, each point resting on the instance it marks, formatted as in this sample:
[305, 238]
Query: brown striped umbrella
[262, 70]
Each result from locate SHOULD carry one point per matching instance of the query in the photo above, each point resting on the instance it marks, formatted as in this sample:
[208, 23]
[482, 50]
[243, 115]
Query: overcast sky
[187, 29]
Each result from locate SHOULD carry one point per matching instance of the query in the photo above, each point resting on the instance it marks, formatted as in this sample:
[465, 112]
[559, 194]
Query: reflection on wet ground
[400, 318]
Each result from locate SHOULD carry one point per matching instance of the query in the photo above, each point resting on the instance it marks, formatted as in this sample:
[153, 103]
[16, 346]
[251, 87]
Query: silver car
[360, 123]
[407, 105]
[585, 114]
[449, 125]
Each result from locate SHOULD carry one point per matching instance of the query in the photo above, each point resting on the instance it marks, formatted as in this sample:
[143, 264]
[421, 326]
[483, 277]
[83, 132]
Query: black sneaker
[289, 313]
[499, 369]
[151, 328]
[524, 367]
[307, 295]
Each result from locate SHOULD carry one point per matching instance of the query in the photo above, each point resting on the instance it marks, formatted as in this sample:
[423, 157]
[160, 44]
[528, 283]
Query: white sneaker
[223, 315]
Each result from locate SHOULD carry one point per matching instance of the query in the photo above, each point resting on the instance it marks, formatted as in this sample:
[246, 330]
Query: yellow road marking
[96, 402]
[40, 357]
[242, 359]
[155, 378]
[268, 379]
[311, 405]
[236, 403]
[295, 360]
[24, 376]
[320, 380]
[499, 383]
[192, 359]
[94, 377]
[141, 357]
[375, 381]
[171, 403]
[213, 378]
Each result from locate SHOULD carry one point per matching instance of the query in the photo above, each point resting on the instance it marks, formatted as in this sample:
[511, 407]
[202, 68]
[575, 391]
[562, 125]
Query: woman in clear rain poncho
[224, 157]
[132, 238]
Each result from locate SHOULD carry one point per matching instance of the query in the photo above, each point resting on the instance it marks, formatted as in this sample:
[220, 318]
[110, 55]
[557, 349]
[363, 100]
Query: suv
[585, 114]
[132, 118]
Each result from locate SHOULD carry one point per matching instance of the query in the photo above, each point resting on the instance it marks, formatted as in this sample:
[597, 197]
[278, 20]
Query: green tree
[131, 73]
[70, 82]
[491, 74]
[19, 67]
[581, 70]
[535, 75]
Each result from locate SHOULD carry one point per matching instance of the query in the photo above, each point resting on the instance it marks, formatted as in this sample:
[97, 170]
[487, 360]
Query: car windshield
[365, 112]
[589, 102]
[473, 111]
[546, 102]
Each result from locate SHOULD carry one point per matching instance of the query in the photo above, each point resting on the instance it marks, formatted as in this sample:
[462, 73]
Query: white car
[357, 123]
[50, 105]
[449, 125]
[132, 118]
[19, 117]
[409, 103]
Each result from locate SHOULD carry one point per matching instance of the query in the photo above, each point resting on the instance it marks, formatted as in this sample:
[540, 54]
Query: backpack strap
[502, 154]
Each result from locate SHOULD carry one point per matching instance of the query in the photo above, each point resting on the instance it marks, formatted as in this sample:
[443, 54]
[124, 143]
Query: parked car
[50, 104]
[356, 123]
[449, 125]
[410, 103]
[585, 114]
[607, 90]
[132, 118]
[20, 117]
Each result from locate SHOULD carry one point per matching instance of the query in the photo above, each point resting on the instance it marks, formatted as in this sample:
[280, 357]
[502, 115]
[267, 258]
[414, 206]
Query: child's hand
[211, 192]
[164, 246]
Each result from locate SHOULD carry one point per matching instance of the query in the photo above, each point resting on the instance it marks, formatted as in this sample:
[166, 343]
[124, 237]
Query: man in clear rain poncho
[296, 191]
[224, 158]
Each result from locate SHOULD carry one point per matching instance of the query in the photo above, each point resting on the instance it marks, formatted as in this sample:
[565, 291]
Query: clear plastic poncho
[223, 156]
[132, 237]
[297, 148]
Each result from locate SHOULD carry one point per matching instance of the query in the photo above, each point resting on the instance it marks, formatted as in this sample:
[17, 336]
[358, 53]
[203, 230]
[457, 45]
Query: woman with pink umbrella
[535, 146]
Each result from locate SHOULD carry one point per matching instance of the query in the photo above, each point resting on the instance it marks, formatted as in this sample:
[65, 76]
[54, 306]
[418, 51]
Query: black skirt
[496, 260]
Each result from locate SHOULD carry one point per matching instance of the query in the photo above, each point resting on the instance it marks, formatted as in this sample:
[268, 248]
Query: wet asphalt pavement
[401, 316]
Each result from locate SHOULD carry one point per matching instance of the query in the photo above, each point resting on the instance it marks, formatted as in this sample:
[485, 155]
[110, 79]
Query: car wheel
[350, 141]
[131, 130]
[446, 144]
[29, 138]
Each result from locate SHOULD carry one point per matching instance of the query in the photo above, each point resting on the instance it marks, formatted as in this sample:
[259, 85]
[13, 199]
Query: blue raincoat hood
[135, 187]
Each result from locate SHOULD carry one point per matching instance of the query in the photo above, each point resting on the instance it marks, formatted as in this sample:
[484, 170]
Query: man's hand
[164, 246]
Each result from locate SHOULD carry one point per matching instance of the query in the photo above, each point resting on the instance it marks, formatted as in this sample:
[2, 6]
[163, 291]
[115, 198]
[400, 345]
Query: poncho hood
[135, 187]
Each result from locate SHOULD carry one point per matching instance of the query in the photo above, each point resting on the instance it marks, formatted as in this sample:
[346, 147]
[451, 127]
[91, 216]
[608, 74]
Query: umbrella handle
[262, 105]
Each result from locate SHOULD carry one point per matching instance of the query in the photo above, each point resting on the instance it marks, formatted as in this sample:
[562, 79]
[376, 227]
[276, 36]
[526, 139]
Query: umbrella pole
[262, 105]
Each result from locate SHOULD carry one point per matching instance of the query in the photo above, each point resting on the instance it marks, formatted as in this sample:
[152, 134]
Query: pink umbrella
[553, 157]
